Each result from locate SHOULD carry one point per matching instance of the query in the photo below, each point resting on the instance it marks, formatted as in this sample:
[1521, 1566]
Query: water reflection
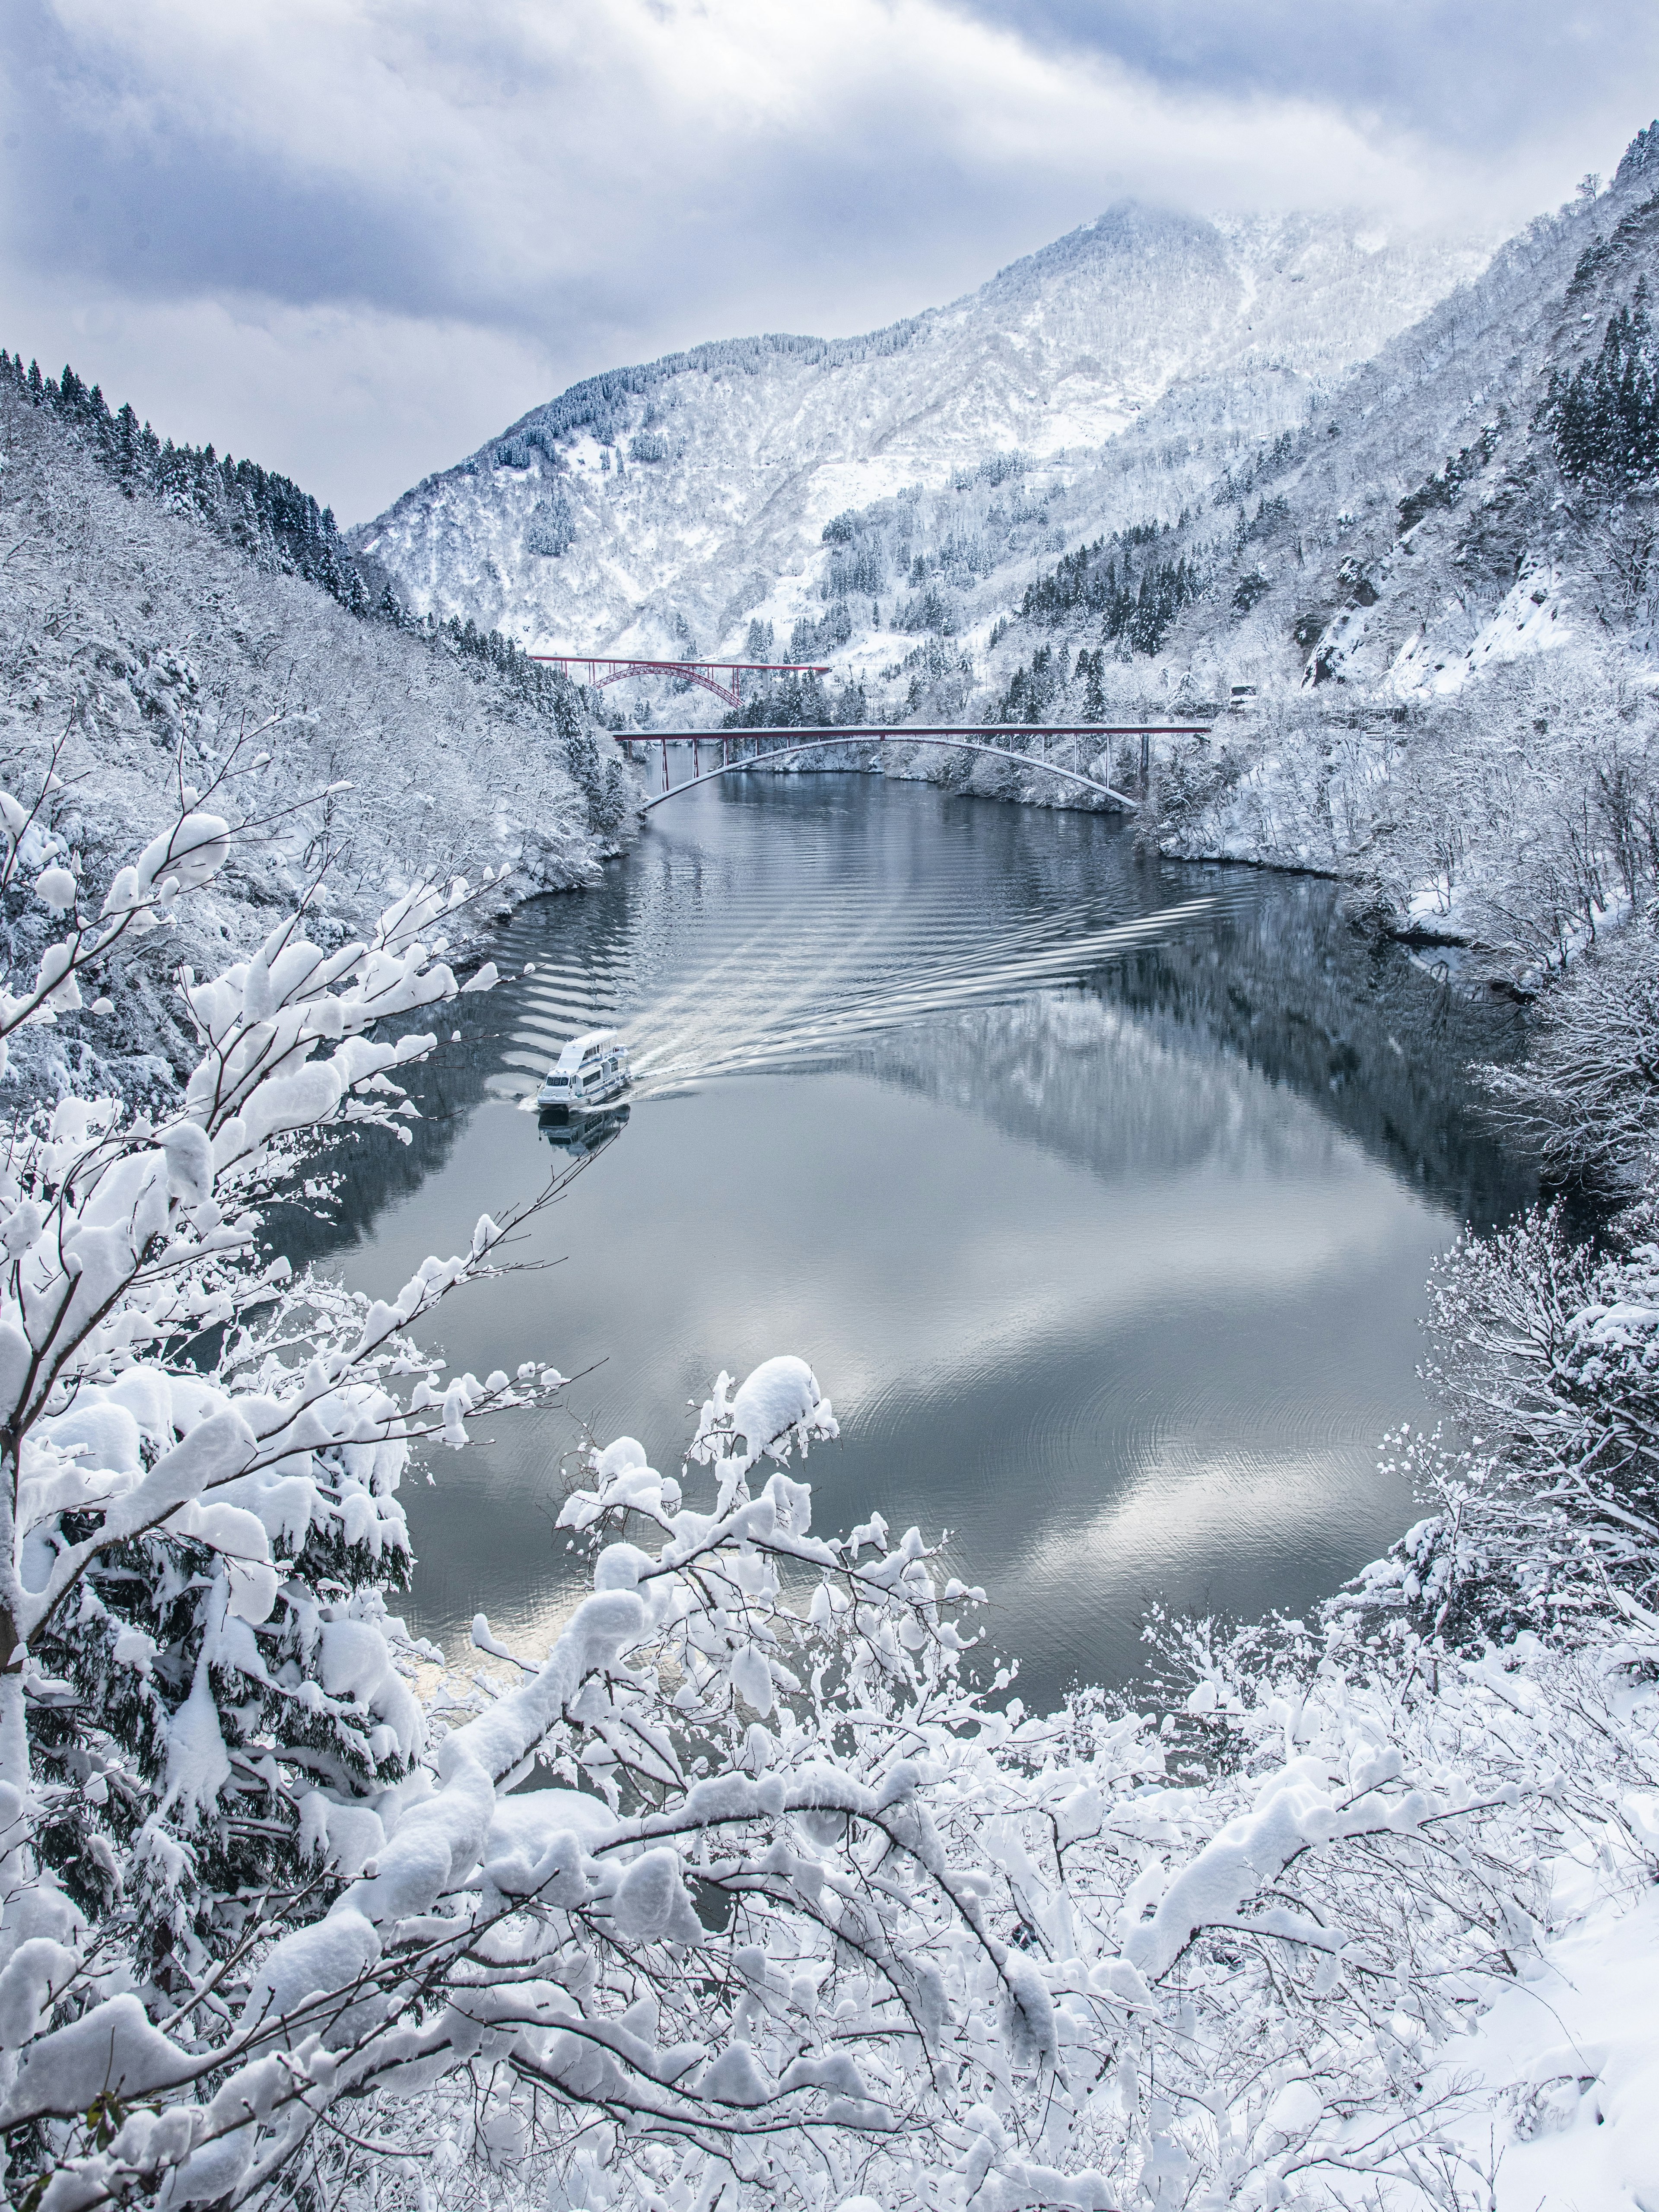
[578, 1135]
[1099, 1191]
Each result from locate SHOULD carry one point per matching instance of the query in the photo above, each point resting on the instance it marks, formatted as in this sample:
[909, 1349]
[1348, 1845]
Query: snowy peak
[665, 507]
[1177, 294]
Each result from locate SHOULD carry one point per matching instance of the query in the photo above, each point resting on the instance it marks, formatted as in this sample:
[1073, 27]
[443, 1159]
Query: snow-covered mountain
[1448, 517]
[1106, 379]
[153, 643]
[1480, 495]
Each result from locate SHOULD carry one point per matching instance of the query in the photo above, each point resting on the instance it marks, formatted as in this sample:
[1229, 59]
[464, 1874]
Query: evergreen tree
[1604, 417]
[176, 1852]
[1140, 609]
[1094, 698]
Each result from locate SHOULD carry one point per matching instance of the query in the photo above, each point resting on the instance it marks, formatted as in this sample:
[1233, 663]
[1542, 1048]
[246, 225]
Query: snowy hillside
[1112, 375]
[1441, 588]
[157, 658]
[1477, 495]
[1440, 521]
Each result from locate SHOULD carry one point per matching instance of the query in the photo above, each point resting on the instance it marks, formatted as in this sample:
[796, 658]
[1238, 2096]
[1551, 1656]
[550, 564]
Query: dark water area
[1099, 1191]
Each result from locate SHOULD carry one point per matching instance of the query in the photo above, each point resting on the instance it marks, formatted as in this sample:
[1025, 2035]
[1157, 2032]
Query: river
[1099, 1191]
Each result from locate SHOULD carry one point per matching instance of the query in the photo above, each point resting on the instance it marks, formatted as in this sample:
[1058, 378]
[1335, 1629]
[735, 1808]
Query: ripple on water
[765, 988]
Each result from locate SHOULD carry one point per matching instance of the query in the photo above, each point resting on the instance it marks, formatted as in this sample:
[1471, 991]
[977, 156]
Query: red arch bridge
[786, 744]
[601, 670]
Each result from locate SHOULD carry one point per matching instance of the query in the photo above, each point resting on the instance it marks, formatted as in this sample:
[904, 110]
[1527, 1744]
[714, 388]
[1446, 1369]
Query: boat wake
[745, 985]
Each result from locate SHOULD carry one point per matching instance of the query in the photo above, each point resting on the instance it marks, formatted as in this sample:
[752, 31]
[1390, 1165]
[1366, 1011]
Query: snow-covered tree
[200, 1456]
[1588, 1095]
[793, 1910]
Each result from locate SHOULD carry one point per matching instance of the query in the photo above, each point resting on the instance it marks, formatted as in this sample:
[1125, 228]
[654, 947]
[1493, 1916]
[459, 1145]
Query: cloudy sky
[353, 238]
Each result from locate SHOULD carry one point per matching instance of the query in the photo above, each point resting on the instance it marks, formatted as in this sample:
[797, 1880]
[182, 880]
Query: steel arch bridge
[603, 668]
[972, 740]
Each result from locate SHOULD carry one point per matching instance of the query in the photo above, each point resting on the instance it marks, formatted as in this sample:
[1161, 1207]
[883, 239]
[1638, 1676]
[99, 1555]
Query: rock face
[1113, 375]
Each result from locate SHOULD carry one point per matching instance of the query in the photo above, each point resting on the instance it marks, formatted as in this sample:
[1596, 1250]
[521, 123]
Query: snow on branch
[747, 1889]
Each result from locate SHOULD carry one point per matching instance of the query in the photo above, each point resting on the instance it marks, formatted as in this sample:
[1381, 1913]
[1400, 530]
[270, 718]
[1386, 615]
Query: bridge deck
[618, 666]
[918, 731]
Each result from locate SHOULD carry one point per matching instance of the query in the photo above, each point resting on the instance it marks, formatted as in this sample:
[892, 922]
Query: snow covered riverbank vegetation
[742, 1892]
[171, 620]
[1518, 820]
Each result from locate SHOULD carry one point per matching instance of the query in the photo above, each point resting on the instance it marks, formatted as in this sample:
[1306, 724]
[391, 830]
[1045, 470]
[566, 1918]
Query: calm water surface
[1099, 1192]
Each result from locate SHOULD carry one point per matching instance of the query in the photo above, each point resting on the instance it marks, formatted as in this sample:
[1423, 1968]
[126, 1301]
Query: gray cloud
[148, 186]
[356, 240]
[1485, 75]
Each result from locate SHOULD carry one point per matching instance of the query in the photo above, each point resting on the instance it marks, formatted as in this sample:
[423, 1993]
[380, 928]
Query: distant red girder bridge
[603, 668]
[972, 738]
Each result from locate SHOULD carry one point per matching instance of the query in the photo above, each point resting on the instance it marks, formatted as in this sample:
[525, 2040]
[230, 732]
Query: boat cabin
[591, 1070]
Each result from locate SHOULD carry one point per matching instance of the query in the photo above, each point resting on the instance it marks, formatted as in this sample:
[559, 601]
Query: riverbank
[1508, 825]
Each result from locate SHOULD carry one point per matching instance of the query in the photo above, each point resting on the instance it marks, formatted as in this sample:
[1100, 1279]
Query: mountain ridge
[735, 456]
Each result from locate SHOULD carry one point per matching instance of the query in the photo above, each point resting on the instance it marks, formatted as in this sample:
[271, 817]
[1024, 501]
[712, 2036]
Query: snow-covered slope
[1425, 523]
[666, 508]
[147, 656]
[1430, 528]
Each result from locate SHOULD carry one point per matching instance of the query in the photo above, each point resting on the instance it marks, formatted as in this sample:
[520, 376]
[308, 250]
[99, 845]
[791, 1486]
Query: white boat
[591, 1071]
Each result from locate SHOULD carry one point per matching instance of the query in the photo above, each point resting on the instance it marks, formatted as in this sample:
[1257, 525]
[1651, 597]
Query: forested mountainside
[172, 623]
[1479, 492]
[1445, 592]
[1483, 490]
[1114, 375]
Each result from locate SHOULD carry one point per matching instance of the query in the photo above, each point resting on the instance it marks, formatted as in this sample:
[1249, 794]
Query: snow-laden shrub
[201, 1457]
[1546, 1488]
[1587, 1094]
[795, 1915]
